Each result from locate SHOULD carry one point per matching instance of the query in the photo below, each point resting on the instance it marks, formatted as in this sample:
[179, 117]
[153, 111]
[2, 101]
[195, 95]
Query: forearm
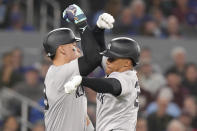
[103, 85]
[99, 36]
[91, 58]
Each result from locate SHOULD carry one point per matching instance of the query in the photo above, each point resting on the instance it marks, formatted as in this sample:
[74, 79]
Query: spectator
[190, 79]
[141, 124]
[124, 24]
[156, 3]
[179, 60]
[17, 19]
[112, 7]
[166, 6]
[186, 119]
[146, 55]
[151, 29]
[11, 124]
[3, 13]
[159, 18]
[191, 17]
[172, 29]
[181, 10]
[175, 125]
[39, 127]
[138, 15]
[191, 107]
[145, 98]
[8, 77]
[17, 60]
[174, 83]
[159, 120]
[148, 78]
[172, 108]
[31, 87]
[36, 115]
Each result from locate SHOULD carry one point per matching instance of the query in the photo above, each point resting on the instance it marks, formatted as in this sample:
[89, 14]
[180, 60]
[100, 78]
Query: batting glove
[105, 21]
[72, 85]
[74, 14]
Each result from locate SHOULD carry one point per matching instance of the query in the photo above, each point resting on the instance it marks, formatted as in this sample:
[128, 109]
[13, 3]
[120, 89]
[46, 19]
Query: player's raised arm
[92, 41]
[105, 21]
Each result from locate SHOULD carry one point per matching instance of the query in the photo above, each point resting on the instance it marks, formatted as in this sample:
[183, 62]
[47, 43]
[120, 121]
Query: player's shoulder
[125, 77]
[128, 73]
[66, 66]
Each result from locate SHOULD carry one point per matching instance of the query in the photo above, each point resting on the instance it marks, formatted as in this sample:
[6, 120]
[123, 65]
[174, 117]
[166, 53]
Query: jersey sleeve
[125, 85]
[74, 66]
[71, 68]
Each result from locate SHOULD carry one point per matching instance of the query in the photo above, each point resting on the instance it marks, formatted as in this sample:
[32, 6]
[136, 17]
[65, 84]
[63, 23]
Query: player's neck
[123, 69]
[60, 61]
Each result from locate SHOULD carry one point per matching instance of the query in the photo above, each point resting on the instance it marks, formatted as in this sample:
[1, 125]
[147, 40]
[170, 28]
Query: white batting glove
[72, 85]
[105, 21]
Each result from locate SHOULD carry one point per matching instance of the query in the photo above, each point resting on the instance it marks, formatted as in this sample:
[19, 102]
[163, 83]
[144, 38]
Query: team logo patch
[100, 97]
[80, 91]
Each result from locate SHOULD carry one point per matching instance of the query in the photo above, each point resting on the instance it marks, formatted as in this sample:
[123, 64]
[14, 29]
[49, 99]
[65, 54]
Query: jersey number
[46, 99]
[136, 103]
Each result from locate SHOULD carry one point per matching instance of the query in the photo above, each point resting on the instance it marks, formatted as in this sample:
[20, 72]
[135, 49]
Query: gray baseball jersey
[64, 112]
[119, 113]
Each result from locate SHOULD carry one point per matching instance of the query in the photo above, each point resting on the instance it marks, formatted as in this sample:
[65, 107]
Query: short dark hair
[171, 72]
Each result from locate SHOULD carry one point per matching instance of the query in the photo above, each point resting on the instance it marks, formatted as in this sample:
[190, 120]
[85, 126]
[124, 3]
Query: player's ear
[61, 50]
[128, 63]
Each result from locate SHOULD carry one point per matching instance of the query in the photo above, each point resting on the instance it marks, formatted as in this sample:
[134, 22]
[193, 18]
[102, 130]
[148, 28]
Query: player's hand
[105, 21]
[74, 14]
[72, 85]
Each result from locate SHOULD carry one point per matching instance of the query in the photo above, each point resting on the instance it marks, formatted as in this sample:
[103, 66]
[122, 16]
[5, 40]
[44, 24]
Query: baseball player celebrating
[117, 97]
[68, 112]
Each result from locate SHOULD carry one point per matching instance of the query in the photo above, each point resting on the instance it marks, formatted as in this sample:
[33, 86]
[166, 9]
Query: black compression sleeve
[91, 58]
[103, 85]
[99, 36]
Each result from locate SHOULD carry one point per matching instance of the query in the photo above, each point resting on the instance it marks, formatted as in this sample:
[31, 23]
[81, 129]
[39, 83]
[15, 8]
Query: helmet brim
[111, 54]
[77, 39]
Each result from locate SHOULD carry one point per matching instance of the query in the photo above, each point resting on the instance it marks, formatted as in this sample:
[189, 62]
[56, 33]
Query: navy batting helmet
[57, 37]
[123, 47]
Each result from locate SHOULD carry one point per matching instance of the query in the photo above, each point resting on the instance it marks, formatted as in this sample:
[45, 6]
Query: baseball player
[117, 97]
[68, 112]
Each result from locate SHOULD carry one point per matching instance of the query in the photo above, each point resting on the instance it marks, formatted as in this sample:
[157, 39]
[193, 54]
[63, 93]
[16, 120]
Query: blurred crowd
[12, 16]
[27, 81]
[156, 18]
[168, 99]
[174, 19]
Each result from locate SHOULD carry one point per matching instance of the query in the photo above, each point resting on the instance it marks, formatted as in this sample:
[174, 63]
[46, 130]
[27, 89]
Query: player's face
[117, 65]
[71, 51]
